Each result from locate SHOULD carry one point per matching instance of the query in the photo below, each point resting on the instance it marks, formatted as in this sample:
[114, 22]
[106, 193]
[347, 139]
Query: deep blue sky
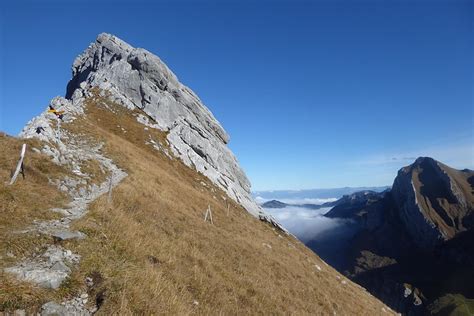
[313, 94]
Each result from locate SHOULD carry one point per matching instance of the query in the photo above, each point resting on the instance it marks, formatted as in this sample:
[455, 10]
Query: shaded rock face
[378, 274]
[135, 77]
[415, 242]
[355, 206]
[435, 202]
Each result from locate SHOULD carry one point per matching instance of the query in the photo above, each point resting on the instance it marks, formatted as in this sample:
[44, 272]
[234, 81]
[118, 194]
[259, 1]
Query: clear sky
[313, 93]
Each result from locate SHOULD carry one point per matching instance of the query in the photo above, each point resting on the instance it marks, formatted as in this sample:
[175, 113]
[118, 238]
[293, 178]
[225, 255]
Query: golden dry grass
[96, 172]
[156, 255]
[150, 251]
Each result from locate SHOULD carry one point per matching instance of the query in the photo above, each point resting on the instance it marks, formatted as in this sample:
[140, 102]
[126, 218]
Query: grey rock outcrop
[76, 306]
[136, 78]
[47, 270]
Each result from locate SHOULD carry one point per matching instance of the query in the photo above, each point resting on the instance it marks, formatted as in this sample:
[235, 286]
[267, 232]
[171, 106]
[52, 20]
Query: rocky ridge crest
[137, 78]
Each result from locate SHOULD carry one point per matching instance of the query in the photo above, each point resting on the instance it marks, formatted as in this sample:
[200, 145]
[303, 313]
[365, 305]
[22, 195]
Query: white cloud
[260, 199]
[306, 224]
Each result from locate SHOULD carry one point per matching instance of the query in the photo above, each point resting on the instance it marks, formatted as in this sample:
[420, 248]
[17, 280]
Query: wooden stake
[210, 215]
[19, 165]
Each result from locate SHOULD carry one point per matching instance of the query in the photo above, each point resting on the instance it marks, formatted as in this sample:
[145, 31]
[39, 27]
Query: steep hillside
[117, 224]
[415, 251]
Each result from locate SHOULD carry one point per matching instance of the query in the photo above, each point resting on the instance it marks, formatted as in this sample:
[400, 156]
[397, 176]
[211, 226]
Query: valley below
[410, 245]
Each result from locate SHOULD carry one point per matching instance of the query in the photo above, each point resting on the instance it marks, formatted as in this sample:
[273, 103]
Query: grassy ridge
[150, 251]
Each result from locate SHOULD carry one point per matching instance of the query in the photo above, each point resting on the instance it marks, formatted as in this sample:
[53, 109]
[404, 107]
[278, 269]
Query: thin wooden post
[228, 209]
[19, 165]
[210, 214]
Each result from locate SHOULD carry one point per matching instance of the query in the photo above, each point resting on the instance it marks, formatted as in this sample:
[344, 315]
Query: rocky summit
[136, 78]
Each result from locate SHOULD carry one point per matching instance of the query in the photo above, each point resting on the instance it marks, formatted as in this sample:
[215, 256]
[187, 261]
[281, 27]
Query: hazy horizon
[309, 196]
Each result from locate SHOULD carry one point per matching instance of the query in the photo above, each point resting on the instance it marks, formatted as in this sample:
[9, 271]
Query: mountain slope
[415, 251]
[145, 247]
[136, 78]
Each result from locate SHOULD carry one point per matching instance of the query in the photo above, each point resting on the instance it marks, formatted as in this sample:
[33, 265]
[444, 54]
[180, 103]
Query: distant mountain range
[415, 246]
[355, 205]
[279, 204]
[313, 193]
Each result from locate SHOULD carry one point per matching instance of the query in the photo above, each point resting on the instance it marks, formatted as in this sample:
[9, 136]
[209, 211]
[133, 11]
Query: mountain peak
[102, 37]
[138, 79]
[435, 201]
[424, 160]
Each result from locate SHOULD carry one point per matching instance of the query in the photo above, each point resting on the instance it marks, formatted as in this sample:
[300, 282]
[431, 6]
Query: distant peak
[421, 160]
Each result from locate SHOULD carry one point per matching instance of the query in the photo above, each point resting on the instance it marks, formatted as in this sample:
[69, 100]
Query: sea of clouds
[307, 224]
[328, 237]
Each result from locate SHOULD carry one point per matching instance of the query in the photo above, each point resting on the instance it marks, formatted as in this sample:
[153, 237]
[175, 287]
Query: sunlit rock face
[136, 78]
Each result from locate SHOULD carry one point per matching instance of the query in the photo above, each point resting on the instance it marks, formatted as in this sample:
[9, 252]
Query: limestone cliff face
[136, 78]
[435, 202]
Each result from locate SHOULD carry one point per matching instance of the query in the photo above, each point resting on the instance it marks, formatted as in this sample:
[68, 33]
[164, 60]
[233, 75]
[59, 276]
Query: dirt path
[52, 267]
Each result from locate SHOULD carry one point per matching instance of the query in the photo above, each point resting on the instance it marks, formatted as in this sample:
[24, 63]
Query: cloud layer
[307, 224]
